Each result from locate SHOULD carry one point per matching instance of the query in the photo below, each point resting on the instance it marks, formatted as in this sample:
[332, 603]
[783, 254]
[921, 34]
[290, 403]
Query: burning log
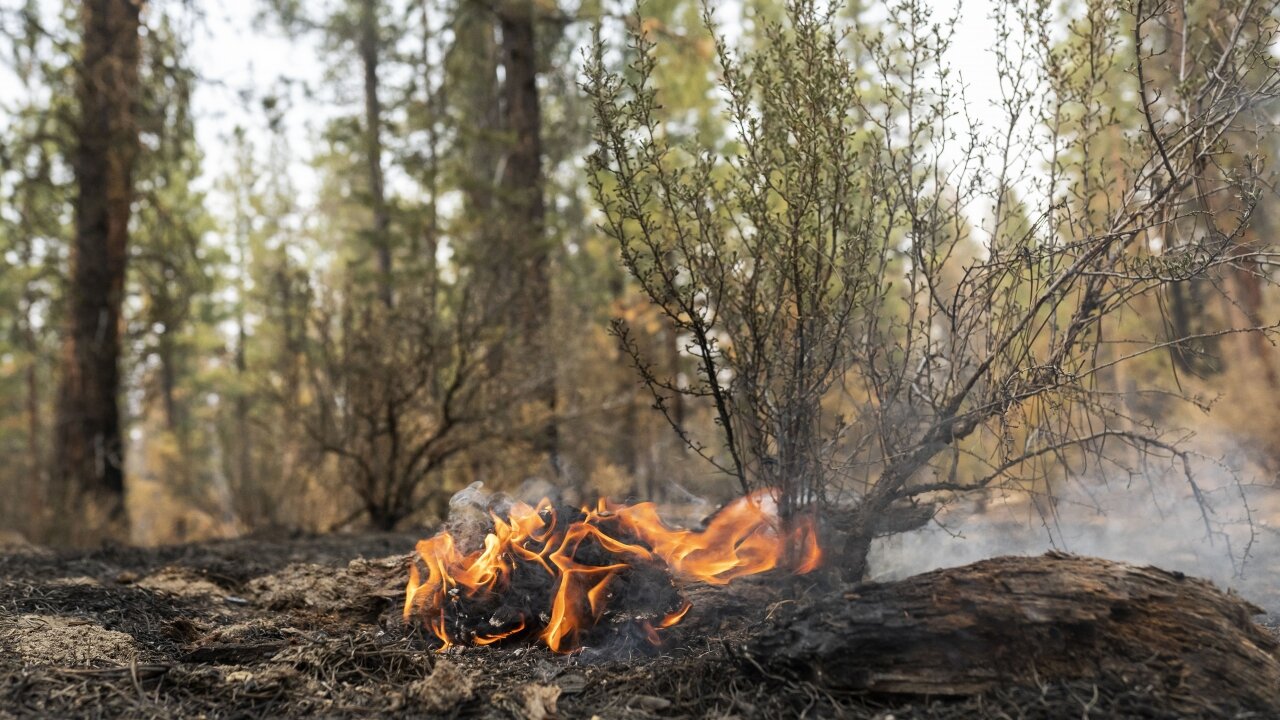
[1027, 620]
[570, 577]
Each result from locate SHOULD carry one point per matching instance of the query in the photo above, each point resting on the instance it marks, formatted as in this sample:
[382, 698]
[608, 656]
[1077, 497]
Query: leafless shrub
[400, 391]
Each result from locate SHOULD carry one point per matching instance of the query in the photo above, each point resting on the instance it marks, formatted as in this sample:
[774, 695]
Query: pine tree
[89, 475]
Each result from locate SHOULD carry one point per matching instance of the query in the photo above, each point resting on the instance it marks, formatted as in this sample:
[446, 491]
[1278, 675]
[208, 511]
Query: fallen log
[1028, 621]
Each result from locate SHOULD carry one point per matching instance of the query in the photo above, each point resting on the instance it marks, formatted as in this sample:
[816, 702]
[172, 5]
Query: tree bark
[244, 449]
[1249, 277]
[432, 181]
[522, 185]
[166, 353]
[37, 470]
[473, 82]
[90, 458]
[369, 43]
[1028, 621]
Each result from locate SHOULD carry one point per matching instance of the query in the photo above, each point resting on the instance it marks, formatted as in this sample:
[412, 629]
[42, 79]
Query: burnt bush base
[310, 627]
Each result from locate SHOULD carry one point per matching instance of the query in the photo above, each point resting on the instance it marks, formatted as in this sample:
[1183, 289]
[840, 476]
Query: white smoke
[1226, 536]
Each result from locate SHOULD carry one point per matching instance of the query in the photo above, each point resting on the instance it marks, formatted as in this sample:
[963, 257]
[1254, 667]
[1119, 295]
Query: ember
[568, 578]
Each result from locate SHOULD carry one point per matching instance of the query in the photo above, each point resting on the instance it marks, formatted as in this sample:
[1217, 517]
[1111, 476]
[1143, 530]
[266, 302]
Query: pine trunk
[522, 183]
[369, 43]
[90, 458]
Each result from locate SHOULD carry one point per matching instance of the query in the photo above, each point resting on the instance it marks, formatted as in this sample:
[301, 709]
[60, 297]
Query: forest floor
[310, 627]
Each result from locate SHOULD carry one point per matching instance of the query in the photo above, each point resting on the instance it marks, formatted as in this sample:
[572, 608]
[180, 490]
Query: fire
[557, 579]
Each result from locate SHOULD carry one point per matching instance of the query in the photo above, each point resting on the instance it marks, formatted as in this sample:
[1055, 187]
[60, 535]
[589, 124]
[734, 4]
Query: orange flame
[744, 538]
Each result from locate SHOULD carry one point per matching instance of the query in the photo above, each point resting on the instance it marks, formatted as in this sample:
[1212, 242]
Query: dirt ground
[310, 627]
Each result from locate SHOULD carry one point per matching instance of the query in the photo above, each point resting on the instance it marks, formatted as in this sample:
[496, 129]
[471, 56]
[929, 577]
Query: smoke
[1228, 532]
[472, 508]
[1224, 534]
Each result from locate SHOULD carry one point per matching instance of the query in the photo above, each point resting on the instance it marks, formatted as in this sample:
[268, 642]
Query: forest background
[366, 269]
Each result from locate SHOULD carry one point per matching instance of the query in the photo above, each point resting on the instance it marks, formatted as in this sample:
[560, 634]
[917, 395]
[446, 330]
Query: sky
[242, 56]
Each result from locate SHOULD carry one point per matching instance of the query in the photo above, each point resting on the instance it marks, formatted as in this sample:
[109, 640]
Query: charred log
[1027, 620]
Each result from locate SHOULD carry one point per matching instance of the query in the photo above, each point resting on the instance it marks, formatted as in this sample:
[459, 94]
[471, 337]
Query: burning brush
[571, 578]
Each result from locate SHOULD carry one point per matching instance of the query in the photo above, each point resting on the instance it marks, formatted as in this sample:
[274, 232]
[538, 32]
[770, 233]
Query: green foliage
[34, 225]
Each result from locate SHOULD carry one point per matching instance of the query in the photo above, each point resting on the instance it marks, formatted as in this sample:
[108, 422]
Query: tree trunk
[37, 470]
[244, 449]
[1249, 277]
[369, 43]
[473, 82]
[169, 382]
[432, 180]
[522, 185]
[90, 457]
[30, 513]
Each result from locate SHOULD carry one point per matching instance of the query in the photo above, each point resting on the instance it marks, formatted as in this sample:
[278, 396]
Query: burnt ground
[309, 627]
